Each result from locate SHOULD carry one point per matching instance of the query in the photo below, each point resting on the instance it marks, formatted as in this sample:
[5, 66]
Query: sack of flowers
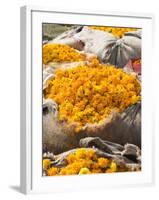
[111, 45]
[93, 156]
[90, 100]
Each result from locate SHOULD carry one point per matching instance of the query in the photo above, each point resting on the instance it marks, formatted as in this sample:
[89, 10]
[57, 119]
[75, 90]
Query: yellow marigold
[81, 153]
[84, 170]
[71, 169]
[46, 163]
[103, 162]
[88, 94]
[113, 166]
[65, 171]
[60, 53]
[52, 171]
[71, 158]
[91, 154]
[116, 31]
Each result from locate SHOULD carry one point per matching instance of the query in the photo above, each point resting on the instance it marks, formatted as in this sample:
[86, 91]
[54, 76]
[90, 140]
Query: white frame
[31, 100]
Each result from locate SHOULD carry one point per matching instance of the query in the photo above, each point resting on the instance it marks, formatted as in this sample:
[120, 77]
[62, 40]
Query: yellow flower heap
[116, 31]
[60, 53]
[89, 94]
[84, 161]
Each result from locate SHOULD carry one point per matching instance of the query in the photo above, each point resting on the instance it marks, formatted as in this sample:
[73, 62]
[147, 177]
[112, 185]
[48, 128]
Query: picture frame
[31, 179]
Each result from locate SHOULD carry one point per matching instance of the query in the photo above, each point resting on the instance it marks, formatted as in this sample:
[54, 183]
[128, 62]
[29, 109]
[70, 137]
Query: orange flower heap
[116, 31]
[88, 94]
[60, 53]
[84, 161]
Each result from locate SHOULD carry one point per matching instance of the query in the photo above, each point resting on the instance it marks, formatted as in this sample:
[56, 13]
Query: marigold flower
[116, 31]
[113, 166]
[103, 162]
[52, 171]
[46, 163]
[84, 170]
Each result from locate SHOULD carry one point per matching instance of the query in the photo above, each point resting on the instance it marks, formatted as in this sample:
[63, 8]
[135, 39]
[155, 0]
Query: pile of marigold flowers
[60, 53]
[116, 31]
[82, 161]
[89, 94]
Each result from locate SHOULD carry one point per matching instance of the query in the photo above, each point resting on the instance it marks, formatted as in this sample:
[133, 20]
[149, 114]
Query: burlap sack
[58, 136]
[121, 128]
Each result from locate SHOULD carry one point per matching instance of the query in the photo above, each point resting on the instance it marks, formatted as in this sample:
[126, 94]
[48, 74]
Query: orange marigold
[60, 53]
[116, 31]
